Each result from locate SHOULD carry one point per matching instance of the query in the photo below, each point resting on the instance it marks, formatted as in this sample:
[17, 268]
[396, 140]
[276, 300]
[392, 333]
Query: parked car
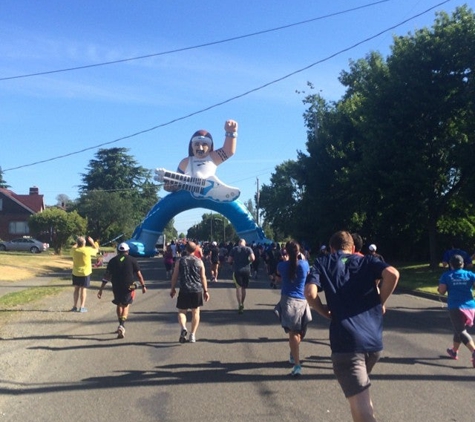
[24, 244]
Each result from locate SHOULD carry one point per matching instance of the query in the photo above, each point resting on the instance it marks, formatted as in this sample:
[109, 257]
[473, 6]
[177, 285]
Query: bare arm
[176, 271]
[141, 280]
[311, 294]
[442, 289]
[390, 278]
[204, 282]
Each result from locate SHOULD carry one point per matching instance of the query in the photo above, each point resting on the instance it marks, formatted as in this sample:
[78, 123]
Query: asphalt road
[62, 366]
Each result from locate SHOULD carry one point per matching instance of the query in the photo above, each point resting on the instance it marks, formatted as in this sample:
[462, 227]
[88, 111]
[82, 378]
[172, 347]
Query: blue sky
[75, 113]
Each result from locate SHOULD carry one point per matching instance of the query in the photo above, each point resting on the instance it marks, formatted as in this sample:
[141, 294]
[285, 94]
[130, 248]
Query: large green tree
[392, 158]
[61, 226]
[281, 201]
[116, 193]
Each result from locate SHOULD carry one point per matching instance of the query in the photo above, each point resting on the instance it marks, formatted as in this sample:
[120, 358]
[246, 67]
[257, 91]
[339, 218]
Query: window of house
[18, 227]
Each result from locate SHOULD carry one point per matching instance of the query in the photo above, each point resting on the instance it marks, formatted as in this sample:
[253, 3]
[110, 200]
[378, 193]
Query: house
[15, 211]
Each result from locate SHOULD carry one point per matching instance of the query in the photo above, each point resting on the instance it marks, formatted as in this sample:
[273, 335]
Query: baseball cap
[372, 247]
[123, 247]
[456, 261]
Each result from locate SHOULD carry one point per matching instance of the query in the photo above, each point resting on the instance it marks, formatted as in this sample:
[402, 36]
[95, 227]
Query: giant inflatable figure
[195, 185]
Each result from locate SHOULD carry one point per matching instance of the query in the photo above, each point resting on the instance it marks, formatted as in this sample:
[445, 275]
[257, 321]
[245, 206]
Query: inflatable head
[201, 144]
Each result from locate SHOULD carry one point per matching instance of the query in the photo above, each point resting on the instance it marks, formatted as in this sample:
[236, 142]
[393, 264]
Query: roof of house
[34, 203]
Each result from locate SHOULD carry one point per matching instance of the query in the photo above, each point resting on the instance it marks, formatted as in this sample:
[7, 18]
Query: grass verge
[419, 277]
[23, 297]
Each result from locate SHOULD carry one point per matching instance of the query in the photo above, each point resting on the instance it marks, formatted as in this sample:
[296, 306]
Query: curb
[430, 296]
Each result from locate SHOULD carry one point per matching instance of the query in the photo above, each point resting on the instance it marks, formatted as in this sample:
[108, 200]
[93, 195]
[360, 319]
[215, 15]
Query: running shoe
[121, 332]
[291, 359]
[183, 334]
[296, 371]
[241, 309]
[452, 353]
[192, 338]
[74, 309]
[82, 310]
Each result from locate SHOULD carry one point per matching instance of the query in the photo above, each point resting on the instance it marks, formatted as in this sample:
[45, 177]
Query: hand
[231, 126]
[144, 289]
[99, 294]
[206, 296]
[172, 293]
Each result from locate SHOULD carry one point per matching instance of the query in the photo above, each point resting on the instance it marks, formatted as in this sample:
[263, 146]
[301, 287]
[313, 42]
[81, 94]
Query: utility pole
[257, 201]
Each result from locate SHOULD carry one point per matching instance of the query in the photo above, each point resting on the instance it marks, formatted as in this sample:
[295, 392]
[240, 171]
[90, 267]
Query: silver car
[24, 244]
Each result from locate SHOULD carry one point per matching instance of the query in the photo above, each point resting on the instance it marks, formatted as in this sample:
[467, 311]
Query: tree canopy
[116, 193]
[392, 158]
[60, 225]
[3, 183]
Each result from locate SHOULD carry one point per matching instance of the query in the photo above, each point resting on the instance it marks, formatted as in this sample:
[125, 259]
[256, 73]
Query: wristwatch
[231, 134]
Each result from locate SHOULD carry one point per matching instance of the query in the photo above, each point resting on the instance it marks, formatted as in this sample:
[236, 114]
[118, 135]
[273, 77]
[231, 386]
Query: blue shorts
[81, 281]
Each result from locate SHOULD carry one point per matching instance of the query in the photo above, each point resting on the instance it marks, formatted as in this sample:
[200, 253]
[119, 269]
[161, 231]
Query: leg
[76, 296]
[122, 313]
[362, 407]
[294, 343]
[83, 295]
[195, 320]
[182, 318]
[351, 370]
[243, 295]
[182, 322]
[239, 295]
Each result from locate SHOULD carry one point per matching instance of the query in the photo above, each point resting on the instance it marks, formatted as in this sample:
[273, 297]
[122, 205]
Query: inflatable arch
[145, 236]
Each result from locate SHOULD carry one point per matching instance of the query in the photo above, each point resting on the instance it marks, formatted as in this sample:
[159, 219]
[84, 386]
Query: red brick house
[15, 211]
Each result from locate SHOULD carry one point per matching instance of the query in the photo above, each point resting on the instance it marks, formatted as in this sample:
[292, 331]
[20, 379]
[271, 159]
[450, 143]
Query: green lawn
[419, 277]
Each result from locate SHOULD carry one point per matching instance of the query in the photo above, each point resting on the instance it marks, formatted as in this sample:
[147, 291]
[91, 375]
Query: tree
[169, 231]
[3, 183]
[61, 226]
[417, 117]
[281, 200]
[63, 201]
[108, 214]
[123, 189]
[213, 227]
[393, 158]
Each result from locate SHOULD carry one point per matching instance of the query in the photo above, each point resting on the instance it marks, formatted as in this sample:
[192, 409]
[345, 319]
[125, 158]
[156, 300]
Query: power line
[178, 50]
[232, 98]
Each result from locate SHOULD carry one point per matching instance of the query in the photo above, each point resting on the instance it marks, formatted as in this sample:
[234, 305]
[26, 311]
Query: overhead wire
[203, 110]
[178, 50]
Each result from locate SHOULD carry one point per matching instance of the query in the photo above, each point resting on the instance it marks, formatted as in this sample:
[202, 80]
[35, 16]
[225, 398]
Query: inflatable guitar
[210, 188]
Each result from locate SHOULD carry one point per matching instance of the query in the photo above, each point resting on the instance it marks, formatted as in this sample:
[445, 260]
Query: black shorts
[124, 299]
[189, 300]
[241, 278]
[81, 281]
